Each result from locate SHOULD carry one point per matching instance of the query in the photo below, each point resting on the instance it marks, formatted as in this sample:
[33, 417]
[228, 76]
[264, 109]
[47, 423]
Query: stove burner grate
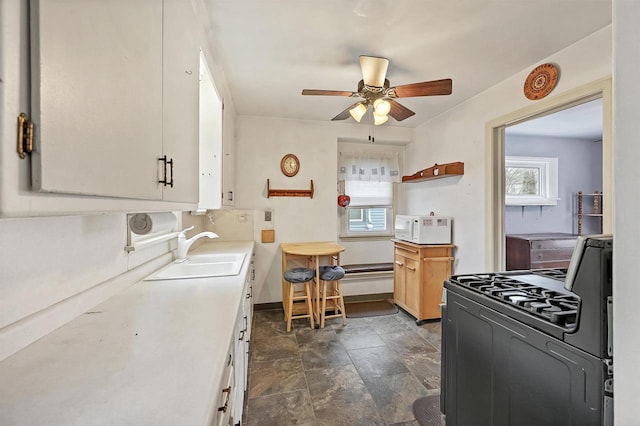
[548, 305]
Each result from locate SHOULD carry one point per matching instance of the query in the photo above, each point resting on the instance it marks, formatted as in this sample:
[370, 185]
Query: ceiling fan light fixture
[381, 106]
[379, 119]
[358, 111]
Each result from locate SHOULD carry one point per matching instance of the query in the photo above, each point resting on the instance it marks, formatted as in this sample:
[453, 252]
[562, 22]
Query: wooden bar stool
[297, 299]
[331, 293]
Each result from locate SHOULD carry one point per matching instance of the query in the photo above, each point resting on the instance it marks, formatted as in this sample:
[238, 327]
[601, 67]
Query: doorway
[497, 130]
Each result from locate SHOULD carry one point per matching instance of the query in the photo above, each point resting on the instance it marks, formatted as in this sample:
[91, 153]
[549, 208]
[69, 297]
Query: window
[368, 179]
[531, 181]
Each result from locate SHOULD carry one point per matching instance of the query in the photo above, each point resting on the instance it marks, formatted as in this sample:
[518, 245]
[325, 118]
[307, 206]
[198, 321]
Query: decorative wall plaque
[541, 81]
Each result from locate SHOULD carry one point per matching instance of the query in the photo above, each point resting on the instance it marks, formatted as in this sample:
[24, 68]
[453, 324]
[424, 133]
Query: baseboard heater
[360, 271]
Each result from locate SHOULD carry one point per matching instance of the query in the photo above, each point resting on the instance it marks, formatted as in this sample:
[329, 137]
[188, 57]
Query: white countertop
[151, 355]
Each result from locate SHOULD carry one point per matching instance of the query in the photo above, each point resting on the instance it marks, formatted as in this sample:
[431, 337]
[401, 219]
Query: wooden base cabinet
[419, 272]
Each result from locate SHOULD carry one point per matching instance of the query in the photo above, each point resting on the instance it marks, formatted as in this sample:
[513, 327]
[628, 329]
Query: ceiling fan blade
[427, 88]
[399, 112]
[344, 114]
[374, 70]
[327, 92]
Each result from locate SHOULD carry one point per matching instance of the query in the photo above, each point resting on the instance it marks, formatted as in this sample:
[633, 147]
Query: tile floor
[368, 372]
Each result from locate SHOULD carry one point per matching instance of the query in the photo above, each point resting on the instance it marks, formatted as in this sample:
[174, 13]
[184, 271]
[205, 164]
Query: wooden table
[315, 253]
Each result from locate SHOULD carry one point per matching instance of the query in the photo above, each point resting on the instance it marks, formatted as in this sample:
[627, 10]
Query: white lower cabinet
[225, 396]
[241, 353]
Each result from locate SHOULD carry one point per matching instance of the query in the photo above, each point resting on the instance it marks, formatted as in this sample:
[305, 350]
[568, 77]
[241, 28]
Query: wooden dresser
[536, 251]
[419, 272]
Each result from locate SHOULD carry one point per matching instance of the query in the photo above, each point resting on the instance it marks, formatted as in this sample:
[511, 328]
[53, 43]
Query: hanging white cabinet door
[97, 97]
[114, 91]
[181, 87]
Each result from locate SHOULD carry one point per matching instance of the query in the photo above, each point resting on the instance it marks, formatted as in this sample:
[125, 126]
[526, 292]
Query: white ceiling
[582, 121]
[271, 50]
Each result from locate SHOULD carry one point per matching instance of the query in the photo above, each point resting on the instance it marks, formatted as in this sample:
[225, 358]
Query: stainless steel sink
[201, 266]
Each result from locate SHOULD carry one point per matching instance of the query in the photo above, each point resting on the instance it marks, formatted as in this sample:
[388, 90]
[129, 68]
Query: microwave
[423, 229]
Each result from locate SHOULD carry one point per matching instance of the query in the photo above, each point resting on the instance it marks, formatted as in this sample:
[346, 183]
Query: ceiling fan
[375, 92]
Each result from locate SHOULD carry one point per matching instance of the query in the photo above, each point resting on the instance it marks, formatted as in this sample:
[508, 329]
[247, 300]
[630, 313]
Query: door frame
[494, 161]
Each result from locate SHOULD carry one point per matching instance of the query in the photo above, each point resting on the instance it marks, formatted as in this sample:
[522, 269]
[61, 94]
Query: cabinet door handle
[242, 333]
[164, 180]
[399, 263]
[224, 408]
[438, 259]
[411, 268]
[171, 170]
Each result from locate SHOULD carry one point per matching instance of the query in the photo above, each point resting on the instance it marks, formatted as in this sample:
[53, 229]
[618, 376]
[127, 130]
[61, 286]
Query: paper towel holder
[137, 245]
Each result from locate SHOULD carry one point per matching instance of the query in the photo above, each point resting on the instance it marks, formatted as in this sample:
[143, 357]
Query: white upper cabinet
[97, 97]
[210, 141]
[228, 161]
[114, 89]
[180, 84]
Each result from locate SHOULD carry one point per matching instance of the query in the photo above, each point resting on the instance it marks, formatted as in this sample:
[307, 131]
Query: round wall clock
[290, 165]
[541, 81]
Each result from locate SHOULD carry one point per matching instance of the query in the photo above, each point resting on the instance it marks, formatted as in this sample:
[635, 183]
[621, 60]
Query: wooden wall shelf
[289, 192]
[438, 171]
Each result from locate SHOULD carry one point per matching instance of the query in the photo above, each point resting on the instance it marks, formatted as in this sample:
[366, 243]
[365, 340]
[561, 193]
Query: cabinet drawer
[550, 264]
[552, 244]
[549, 255]
[407, 251]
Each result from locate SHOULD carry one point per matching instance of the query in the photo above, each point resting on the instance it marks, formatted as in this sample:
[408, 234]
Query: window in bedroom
[531, 181]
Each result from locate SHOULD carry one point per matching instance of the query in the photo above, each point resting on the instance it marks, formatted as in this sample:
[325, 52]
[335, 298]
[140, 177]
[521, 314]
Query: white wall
[626, 291]
[579, 169]
[459, 135]
[261, 144]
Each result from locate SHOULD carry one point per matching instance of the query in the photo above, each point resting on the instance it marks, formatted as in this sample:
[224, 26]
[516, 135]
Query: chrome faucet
[184, 244]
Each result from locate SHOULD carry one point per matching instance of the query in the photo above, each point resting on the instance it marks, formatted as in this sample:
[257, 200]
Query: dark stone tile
[308, 335]
[323, 354]
[291, 408]
[283, 375]
[270, 315]
[377, 361]
[407, 342]
[409, 423]
[426, 368]
[273, 348]
[351, 323]
[406, 318]
[394, 396]
[431, 332]
[387, 324]
[339, 397]
[360, 337]
[267, 329]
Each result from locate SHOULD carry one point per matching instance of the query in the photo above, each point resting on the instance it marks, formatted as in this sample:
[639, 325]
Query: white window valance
[369, 167]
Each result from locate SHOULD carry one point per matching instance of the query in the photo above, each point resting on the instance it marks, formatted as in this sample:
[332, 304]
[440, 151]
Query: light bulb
[379, 119]
[382, 106]
[358, 111]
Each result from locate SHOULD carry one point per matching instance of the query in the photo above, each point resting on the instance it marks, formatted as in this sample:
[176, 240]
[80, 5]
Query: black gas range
[531, 347]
